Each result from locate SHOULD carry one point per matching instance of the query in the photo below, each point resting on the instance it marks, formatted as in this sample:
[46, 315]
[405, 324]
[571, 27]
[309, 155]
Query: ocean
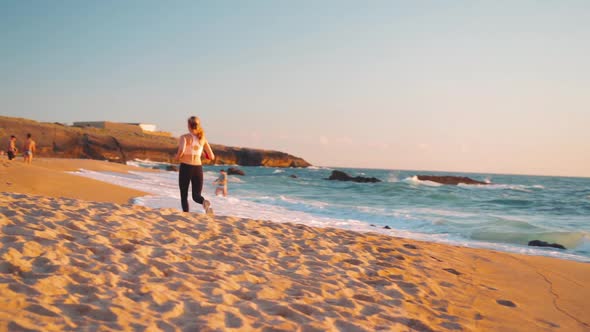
[504, 215]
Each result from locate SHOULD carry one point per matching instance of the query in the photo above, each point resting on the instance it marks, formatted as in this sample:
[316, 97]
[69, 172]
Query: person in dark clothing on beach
[190, 148]
[11, 150]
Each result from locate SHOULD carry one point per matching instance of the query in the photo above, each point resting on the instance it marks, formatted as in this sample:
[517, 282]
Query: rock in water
[235, 171]
[451, 180]
[539, 243]
[341, 176]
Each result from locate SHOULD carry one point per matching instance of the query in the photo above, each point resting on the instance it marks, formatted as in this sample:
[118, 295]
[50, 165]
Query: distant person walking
[11, 150]
[190, 148]
[221, 183]
[29, 147]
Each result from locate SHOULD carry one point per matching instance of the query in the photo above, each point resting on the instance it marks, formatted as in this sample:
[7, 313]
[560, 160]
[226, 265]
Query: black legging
[190, 174]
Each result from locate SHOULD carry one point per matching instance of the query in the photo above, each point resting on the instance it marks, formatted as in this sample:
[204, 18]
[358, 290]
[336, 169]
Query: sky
[474, 86]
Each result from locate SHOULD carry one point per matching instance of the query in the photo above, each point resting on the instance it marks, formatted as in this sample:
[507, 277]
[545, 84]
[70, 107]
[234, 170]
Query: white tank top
[195, 148]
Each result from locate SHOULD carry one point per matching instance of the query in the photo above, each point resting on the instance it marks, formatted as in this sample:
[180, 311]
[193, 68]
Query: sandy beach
[49, 177]
[77, 256]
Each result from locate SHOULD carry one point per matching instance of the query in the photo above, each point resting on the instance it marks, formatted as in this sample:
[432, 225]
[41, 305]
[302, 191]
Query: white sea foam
[277, 171]
[515, 187]
[396, 214]
[414, 180]
[392, 178]
[146, 163]
[441, 212]
[318, 168]
[303, 202]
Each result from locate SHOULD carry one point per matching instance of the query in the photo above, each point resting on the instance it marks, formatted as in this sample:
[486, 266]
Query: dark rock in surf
[172, 168]
[450, 180]
[293, 176]
[235, 171]
[539, 243]
[341, 176]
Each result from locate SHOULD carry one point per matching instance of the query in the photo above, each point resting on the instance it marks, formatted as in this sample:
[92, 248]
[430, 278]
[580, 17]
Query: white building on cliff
[145, 127]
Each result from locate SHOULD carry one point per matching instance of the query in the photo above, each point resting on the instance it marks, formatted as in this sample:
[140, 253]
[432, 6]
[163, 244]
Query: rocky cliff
[57, 140]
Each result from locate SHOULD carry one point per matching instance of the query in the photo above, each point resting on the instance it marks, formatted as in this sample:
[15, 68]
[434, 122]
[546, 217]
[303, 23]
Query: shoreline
[247, 209]
[50, 177]
[73, 262]
[56, 172]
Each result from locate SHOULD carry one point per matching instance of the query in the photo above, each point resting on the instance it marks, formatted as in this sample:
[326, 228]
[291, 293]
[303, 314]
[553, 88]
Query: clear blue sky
[484, 86]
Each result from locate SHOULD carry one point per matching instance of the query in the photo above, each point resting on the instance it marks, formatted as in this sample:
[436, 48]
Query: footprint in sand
[232, 321]
[366, 298]
[446, 284]
[40, 310]
[488, 287]
[506, 303]
[13, 326]
[453, 271]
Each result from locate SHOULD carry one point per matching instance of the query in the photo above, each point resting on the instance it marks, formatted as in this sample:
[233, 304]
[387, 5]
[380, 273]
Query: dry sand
[72, 264]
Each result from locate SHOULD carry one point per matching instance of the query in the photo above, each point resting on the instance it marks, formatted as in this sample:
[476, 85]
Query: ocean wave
[138, 160]
[378, 211]
[315, 168]
[277, 171]
[443, 212]
[296, 201]
[515, 187]
[512, 202]
[570, 240]
[414, 180]
[146, 163]
[392, 178]
[287, 201]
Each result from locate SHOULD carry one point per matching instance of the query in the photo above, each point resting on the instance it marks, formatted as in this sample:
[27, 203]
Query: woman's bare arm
[180, 152]
[209, 151]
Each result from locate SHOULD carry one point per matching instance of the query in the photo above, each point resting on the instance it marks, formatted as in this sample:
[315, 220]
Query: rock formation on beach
[235, 171]
[450, 180]
[120, 145]
[341, 176]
